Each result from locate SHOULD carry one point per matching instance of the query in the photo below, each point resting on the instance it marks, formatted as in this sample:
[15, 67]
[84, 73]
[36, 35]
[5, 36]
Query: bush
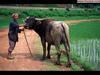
[51, 9]
[50, 12]
[67, 9]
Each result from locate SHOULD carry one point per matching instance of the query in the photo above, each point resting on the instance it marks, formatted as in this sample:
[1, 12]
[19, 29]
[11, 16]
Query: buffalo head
[30, 22]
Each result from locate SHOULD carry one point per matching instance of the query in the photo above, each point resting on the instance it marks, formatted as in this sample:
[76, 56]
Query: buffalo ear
[38, 22]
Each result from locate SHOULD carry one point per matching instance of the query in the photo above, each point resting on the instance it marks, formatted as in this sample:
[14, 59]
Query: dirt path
[23, 60]
[78, 21]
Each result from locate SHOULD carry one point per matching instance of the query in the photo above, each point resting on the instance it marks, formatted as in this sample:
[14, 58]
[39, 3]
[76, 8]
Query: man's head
[15, 16]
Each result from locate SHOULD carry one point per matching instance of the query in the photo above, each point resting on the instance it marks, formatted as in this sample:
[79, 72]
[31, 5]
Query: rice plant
[88, 50]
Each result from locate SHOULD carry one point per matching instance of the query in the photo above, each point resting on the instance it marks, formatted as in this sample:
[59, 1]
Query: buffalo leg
[48, 48]
[68, 55]
[44, 48]
[58, 54]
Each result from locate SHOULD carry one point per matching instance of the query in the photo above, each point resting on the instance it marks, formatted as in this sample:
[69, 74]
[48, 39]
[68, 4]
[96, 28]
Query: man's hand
[21, 25]
[22, 28]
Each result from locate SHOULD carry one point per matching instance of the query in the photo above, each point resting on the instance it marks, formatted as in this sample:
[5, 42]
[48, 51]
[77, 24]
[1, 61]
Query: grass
[82, 62]
[74, 18]
[75, 67]
[51, 65]
[4, 21]
[79, 63]
[85, 30]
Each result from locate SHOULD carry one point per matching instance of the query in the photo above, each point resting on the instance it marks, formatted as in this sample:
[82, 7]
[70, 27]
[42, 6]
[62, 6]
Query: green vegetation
[57, 14]
[50, 12]
[75, 18]
[85, 30]
[75, 67]
[5, 20]
[56, 5]
[82, 63]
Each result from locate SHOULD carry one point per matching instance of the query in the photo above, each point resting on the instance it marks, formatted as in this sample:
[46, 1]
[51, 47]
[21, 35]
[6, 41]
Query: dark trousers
[11, 45]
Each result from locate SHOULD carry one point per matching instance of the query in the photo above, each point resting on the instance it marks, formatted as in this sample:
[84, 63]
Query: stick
[27, 44]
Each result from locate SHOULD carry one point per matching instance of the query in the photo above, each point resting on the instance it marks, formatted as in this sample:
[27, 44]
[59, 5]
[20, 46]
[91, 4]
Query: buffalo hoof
[43, 58]
[48, 57]
[58, 63]
[68, 65]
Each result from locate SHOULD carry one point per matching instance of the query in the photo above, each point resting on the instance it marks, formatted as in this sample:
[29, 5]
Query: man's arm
[17, 27]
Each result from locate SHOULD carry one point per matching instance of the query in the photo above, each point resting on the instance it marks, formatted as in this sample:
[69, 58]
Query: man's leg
[11, 48]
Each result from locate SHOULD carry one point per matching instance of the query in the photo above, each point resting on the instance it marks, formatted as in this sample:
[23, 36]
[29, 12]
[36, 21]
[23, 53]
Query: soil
[23, 59]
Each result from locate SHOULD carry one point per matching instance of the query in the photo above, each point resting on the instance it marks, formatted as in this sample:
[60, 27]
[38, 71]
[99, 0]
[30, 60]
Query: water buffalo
[54, 33]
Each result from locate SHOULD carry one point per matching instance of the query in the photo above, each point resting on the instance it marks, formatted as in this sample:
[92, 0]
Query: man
[13, 34]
